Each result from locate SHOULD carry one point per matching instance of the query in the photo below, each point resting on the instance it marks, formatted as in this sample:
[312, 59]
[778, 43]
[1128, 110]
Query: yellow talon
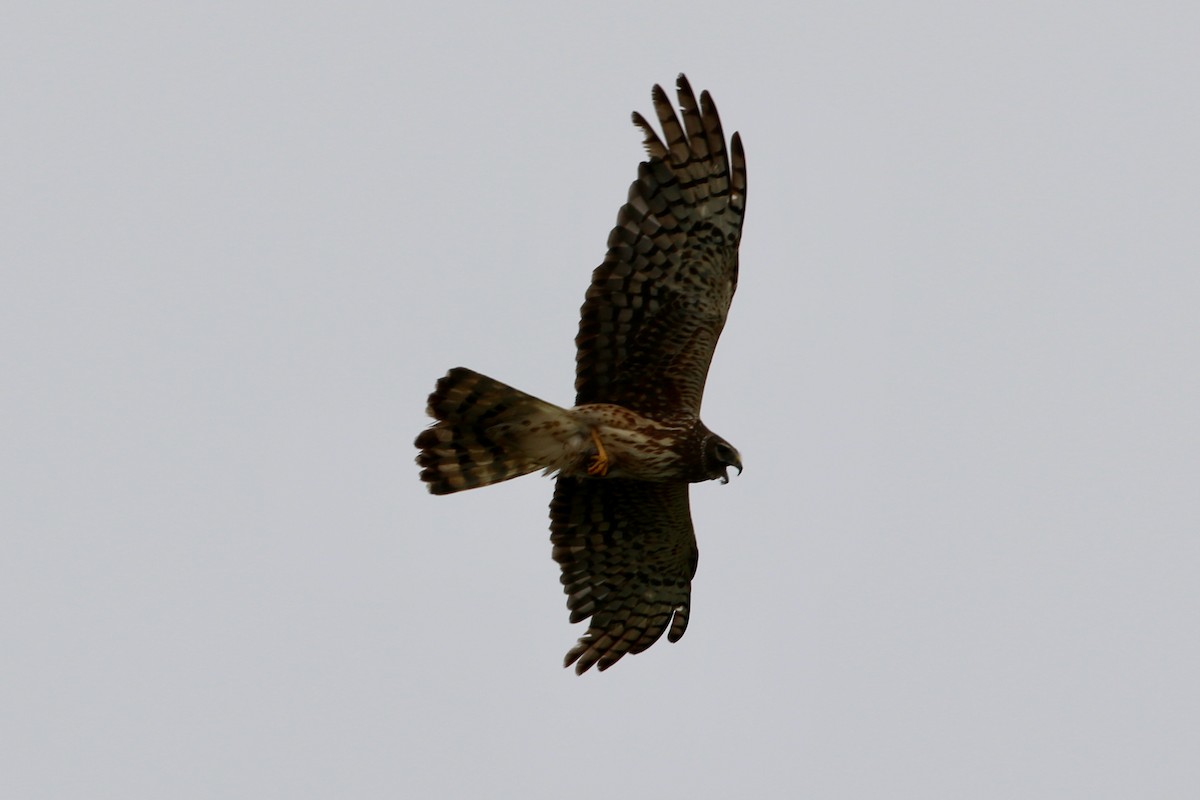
[599, 462]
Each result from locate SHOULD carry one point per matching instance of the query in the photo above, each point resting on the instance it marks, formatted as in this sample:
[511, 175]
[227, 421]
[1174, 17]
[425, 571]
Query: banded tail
[487, 432]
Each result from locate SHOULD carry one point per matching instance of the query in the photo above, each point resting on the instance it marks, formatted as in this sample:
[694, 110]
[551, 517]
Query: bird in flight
[624, 455]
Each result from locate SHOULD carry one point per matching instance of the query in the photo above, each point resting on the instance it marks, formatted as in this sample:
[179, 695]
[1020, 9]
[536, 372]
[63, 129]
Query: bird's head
[719, 456]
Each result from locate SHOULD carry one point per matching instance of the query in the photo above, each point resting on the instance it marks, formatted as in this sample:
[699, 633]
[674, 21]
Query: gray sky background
[242, 240]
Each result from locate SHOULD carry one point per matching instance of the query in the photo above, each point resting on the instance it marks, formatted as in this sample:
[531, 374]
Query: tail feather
[475, 440]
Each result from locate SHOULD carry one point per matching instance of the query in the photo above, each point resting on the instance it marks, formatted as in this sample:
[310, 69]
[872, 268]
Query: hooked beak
[725, 472]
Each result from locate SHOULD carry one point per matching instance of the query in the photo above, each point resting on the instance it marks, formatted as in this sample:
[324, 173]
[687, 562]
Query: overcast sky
[241, 241]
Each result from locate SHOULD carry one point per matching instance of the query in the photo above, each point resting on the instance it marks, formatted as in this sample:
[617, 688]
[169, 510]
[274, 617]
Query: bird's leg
[598, 465]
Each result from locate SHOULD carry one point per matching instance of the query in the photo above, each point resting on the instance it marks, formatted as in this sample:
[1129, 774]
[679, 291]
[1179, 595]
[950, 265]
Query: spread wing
[628, 555]
[657, 304]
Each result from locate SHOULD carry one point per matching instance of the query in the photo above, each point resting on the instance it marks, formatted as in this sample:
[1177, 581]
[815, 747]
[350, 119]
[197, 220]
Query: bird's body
[626, 452]
[501, 433]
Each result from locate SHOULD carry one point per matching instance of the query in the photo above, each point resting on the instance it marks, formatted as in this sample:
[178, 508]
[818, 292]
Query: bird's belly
[636, 447]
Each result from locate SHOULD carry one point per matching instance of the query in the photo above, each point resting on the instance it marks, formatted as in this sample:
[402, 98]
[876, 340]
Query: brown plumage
[620, 522]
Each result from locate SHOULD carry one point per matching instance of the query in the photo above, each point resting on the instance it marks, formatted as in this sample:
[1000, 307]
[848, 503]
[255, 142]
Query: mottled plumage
[620, 522]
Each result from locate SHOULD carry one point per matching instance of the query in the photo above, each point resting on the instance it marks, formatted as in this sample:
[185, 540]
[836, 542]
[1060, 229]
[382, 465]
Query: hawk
[620, 524]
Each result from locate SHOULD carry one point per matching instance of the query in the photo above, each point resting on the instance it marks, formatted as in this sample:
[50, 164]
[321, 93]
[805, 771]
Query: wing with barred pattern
[628, 554]
[656, 306]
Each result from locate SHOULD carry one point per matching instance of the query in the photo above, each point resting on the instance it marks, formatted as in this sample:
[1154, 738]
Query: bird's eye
[723, 453]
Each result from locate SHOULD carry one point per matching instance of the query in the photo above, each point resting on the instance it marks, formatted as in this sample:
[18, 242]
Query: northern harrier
[625, 454]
